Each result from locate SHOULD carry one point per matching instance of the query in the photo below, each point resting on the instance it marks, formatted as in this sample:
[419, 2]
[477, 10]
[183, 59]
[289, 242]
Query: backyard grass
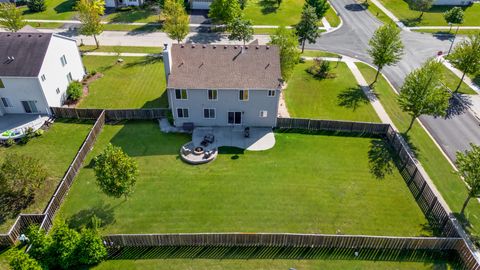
[143, 15]
[315, 53]
[378, 13]
[56, 10]
[433, 17]
[56, 148]
[45, 25]
[267, 12]
[123, 49]
[137, 83]
[149, 27]
[438, 168]
[306, 183]
[451, 81]
[332, 17]
[338, 98]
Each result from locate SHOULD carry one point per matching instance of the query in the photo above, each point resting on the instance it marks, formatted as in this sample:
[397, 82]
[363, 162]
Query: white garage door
[110, 3]
[201, 4]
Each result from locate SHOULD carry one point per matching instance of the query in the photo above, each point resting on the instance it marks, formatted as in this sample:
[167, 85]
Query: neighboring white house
[200, 4]
[120, 3]
[223, 85]
[35, 71]
[452, 2]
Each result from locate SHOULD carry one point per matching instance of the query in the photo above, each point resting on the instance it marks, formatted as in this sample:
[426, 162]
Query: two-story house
[35, 71]
[223, 85]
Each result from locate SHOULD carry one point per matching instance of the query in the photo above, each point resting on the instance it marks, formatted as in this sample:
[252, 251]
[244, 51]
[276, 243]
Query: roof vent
[256, 47]
[246, 47]
[193, 46]
[204, 46]
[19, 35]
[268, 47]
[214, 46]
[225, 46]
[235, 47]
[183, 45]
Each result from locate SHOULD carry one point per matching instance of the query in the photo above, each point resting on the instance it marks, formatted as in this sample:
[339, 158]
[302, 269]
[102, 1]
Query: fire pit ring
[198, 150]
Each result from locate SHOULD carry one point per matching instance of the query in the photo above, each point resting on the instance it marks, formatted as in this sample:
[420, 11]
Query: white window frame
[43, 77]
[181, 96]
[209, 113]
[57, 90]
[212, 91]
[69, 77]
[263, 114]
[241, 94]
[183, 113]
[271, 93]
[30, 103]
[6, 102]
[63, 60]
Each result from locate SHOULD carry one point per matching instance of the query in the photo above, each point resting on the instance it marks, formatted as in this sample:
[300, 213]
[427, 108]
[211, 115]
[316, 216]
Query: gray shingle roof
[224, 67]
[28, 51]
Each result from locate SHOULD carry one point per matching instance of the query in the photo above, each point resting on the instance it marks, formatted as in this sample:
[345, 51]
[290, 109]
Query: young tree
[421, 5]
[36, 5]
[90, 12]
[11, 17]
[287, 41]
[423, 92]
[19, 260]
[176, 20]
[321, 7]
[468, 165]
[75, 90]
[466, 56]
[241, 30]
[224, 11]
[386, 47]
[307, 28]
[243, 4]
[116, 172]
[453, 16]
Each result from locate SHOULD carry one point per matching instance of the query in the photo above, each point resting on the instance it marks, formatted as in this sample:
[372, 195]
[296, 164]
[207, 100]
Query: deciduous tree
[421, 5]
[36, 5]
[423, 92]
[466, 57]
[90, 12]
[116, 172]
[453, 16]
[224, 11]
[19, 260]
[386, 47]
[176, 20]
[468, 165]
[321, 7]
[90, 248]
[307, 28]
[287, 41]
[241, 29]
[11, 17]
[243, 4]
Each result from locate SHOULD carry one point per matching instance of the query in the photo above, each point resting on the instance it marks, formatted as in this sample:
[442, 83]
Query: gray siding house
[223, 85]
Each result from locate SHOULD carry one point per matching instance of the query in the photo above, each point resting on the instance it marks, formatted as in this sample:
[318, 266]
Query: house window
[63, 59]
[263, 114]
[243, 95]
[182, 113]
[181, 94]
[43, 78]
[271, 93]
[209, 113]
[58, 91]
[29, 106]
[6, 103]
[212, 94]
[69, 77]
[1, 84]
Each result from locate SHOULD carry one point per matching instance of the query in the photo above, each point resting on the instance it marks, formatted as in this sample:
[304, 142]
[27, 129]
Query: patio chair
[247, 132]
[208, 139]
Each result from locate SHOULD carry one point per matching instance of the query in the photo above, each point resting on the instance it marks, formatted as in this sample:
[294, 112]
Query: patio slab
[260, 138]
[21, 121]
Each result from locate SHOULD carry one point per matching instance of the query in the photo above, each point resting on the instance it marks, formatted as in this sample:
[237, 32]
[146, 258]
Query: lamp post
[453, 40]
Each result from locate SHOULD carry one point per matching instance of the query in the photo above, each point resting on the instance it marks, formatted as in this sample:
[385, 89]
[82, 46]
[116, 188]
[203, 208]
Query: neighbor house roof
[224, 67]
[22, 54]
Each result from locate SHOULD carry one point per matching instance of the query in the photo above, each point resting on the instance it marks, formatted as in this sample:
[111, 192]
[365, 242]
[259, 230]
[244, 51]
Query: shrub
[320, 69]
[29, 133]
[9, 142]
[93, 72]
[20, 260]
[64, 243]
[36, 5]
[38, 132]
[90, 248]
[75, 90]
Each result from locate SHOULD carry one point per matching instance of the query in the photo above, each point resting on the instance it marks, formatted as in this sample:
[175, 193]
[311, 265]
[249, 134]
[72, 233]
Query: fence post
[413, 176]
[420, 192]
[430, 208]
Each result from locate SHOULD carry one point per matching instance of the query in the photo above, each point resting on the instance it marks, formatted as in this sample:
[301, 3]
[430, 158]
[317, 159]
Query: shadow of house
[352, 98]
[160, 102]
[65, 6]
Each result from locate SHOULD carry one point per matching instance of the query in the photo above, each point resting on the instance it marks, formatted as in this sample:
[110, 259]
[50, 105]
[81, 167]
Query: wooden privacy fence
[116, 115]
[332, 125]
[45, 220]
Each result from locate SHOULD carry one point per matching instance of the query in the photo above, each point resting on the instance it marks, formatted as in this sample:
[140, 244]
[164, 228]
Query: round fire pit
[198, 150]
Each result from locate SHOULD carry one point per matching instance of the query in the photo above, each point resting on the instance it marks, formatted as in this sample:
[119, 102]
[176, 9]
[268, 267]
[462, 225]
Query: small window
[63, 59]
[6, 103]
[43, 78]
[263, 114]
[58, 91]
[271, 93]
[212, 94]
[209, 113]
[182, 113]
[69, 77]
[181, 94]
[243, 95]
[1, 84]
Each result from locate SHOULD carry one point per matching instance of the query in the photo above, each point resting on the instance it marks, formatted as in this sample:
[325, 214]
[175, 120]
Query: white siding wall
[452, 2]
[55, 73]
[23, 89]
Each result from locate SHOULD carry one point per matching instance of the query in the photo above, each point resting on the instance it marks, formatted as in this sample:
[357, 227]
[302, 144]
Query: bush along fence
[45, 220]
[110, 115]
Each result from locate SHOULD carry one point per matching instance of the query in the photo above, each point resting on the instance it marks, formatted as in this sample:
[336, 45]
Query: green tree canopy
[90, 12]
[386, 47]
[307, 28]
[454, 15]
[321, 7]
[466, 56]
[287, 41]
[19, 260]
[241, 30]
[116, 172]
[468, 165]
[176, 20]
[11, 17]
[224, 11]
[421, 5]
[90, 248]
[423, 92]
[36, 5]
[243, 4]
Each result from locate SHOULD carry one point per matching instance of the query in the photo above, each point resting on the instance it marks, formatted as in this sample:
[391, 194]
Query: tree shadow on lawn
[83, 219]
[130, 16]
[147, 28]
[12, 205]
[380, 159]
[268, 6]
[147, 60]
[66, 6]
[352, 98]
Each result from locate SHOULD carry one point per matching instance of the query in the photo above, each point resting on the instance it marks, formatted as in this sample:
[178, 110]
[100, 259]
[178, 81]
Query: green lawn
[56, 148]
[335, 98]
[132, 28]
[123, 49]
[434, 17]
[440, 171]
[378, 13]
[45, 25]
[314, 53]
[145, 15]
[267, 12]
[137, 83]
[332, 17]
[56, 10]
[306, 183]
[446, 32]
[451, 81]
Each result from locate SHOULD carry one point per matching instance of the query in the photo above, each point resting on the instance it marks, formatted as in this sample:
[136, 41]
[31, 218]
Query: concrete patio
[260, 138]
[21, 121]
